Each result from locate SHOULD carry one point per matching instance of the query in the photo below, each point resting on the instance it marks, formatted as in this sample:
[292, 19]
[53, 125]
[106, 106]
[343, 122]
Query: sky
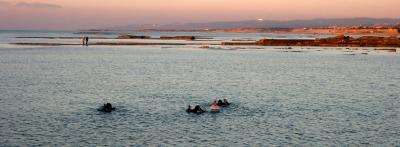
[91, 14]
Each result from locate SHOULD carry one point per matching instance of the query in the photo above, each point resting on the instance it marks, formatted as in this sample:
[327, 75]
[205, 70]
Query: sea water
[49, 96]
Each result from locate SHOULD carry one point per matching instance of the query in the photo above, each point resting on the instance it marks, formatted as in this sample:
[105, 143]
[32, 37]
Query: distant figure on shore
[197, 109]
[106, 108]
[83, 40]
[87, 41]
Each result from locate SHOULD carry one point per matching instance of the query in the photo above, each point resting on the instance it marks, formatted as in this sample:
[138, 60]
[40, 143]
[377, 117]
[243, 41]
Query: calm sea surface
[49, 96]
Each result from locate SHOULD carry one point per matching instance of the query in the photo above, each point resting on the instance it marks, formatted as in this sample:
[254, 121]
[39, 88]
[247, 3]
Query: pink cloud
[4, 3]
[37, 5]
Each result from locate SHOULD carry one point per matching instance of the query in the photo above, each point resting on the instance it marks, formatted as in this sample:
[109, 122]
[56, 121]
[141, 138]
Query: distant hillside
[314, 23]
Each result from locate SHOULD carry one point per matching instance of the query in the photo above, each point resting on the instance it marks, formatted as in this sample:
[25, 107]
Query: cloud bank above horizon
[77, 14]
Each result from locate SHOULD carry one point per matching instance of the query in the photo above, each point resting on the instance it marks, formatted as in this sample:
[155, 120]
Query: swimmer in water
[226, 103]
[107, 108]
[197, 109]
[220, 103]
[189, 109]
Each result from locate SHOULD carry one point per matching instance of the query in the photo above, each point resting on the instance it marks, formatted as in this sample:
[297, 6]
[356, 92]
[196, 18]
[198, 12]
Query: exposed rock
[338, 41]
[238, 43]
[178, 37]
[204, 46]
[387, 49]
[133, 37]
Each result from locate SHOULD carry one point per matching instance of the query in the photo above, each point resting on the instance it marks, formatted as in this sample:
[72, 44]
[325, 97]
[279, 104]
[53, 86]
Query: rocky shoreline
[338, 41]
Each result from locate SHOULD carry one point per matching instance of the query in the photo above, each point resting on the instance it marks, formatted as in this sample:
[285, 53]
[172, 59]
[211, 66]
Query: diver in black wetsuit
[189, 109]
[197, 109]
[223, 103]
[220, 103]
[226, 102]
[107, 108]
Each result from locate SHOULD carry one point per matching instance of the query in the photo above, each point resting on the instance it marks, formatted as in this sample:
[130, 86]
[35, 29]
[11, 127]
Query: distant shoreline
[332, 31]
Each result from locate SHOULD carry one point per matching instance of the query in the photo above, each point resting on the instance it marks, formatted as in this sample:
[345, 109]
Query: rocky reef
[133, 37]
[338, 41]
[178, 37]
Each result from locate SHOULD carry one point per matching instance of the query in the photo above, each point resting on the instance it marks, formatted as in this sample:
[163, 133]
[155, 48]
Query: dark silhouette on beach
[85, 40]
